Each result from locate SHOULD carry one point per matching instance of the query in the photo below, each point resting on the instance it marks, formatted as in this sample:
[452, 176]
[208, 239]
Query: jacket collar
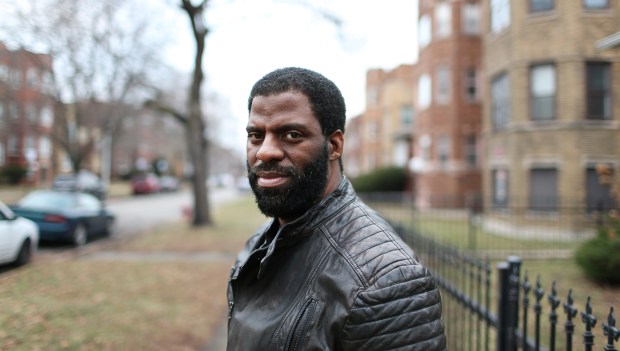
[293, 231]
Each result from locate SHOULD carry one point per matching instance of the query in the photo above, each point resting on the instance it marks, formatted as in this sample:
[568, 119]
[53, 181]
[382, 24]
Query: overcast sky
[250, 38]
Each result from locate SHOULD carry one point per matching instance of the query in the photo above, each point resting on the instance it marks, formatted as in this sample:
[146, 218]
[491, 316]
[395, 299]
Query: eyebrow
[281, 129]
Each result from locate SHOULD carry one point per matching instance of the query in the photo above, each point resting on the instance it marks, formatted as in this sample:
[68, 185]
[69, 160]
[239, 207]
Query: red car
[145, 184]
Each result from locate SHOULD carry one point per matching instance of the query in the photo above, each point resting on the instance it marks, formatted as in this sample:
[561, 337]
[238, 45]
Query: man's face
[287, 155]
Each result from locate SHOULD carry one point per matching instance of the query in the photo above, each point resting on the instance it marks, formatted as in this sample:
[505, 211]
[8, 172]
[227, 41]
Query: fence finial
[569, 326]
[590, 320]
[611, 331]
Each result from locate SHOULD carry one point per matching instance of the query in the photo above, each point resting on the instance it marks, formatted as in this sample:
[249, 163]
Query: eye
[254, 136]
[292, 135]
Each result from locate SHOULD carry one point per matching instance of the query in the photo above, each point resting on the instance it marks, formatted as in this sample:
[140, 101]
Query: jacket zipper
[301, 325]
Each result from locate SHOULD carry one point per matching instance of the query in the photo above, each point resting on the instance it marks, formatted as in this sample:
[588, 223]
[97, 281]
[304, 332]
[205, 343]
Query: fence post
[507, 316]
[590, 321]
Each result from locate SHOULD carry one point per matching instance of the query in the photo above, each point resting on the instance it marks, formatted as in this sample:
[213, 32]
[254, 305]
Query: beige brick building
[551, 111]
[381, 136]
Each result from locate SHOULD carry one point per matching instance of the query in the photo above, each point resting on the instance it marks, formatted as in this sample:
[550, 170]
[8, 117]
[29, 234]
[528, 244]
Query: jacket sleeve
[401, 310]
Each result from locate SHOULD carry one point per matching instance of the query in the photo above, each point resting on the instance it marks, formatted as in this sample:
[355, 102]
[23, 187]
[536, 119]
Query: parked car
[66, 216]
[19, 237]
[145, 183]
[168, 183]
[83, 181]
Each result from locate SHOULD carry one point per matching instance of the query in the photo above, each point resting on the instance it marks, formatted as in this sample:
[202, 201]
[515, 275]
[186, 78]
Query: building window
[13, 147]
[425, 145]
[471, 84]
[4, 73]
[542, 91]
[500, 188]
[500, 96]
[373, 131]
[373, 96]
[599, 193]
[443, 151]
[31, 112]
[45, 147]
[424, 31]
[443, 84]
[543, 189]
[424, 91]
[406, 115]
[471, 151]
[32, 77]
[596, 4]
[471, 19]
[14, 110]
[47, 118]
[500, 15]
[443, 20]
[598, 92]
[541, 5]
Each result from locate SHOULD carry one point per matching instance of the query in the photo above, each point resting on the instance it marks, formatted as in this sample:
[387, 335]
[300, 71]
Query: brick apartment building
[551, 107]
[427, 116]
[26, 112]
[448, 123]
[383, 131]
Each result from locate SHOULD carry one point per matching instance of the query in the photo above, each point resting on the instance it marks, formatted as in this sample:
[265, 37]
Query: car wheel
[25, 254]
[79, 235]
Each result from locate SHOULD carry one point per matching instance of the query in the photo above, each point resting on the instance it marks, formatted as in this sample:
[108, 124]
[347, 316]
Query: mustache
[272, 167]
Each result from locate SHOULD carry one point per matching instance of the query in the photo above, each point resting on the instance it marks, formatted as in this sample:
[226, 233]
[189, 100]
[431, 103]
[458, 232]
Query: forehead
[291, 104]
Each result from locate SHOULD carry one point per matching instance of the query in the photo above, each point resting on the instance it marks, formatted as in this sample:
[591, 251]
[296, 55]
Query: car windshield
[47, 200]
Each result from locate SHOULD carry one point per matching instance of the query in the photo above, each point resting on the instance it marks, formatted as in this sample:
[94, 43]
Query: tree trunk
[196, 125]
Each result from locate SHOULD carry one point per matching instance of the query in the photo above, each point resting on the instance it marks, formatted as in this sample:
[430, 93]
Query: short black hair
[325, 98]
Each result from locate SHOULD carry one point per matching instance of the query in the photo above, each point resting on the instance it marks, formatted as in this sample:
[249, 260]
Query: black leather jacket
[337, 278]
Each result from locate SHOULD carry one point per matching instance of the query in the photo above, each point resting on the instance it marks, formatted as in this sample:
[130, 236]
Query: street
[138, 213]
[135, 214]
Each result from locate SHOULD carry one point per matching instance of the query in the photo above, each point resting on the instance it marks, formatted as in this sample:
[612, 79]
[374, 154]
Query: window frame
[532, 9]
[500, 122]
[470, 18]
[471, 83]
[606, 93]
[500, 16]
[543, 202]
[500, 203]
[533, 98]
[585, 5]
[443, 77]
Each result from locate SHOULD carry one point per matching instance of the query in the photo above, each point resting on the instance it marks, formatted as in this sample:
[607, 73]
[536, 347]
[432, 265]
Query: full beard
[293, 200]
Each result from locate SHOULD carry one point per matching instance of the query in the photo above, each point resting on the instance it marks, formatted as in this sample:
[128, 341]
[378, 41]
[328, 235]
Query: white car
[19, 237]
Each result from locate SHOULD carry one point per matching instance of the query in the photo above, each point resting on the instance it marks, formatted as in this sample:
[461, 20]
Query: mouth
[271, 179]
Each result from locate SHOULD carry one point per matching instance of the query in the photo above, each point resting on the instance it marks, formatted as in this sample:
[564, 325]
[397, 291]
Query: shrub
[382, 179]
[14, 173]
[600, 259]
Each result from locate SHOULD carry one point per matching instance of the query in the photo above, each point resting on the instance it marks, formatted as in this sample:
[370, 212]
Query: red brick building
[448, 124]
[26, 112]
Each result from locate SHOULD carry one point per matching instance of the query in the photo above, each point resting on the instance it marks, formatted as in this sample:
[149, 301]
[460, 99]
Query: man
[327, 273]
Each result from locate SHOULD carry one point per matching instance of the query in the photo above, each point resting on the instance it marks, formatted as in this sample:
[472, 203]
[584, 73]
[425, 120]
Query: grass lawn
[83, 304]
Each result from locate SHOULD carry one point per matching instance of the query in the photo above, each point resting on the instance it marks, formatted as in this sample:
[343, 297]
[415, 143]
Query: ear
[336, 144]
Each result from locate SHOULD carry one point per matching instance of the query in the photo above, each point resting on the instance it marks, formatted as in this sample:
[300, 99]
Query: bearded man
[327, 272]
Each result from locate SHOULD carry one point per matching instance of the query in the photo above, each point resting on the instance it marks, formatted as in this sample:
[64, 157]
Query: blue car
[66, 216]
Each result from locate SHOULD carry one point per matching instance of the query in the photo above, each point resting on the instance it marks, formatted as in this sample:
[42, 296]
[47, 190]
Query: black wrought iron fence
[507, 312]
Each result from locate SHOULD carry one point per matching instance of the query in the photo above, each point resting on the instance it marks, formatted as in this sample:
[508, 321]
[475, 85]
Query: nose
[270, 150]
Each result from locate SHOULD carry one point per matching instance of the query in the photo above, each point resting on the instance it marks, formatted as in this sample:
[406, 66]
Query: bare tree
[103, 55]
[195, 124]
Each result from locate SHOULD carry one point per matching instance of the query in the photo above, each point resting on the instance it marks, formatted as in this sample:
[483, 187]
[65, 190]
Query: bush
[14, 173]
[382, 179]
[600, 259]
